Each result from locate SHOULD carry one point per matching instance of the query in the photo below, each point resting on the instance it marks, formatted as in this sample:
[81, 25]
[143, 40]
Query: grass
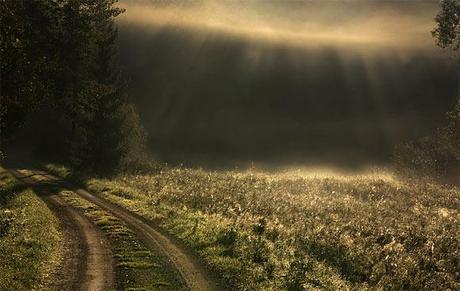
[137, 267]
[58, 170]
[289, 232]
[30, 240]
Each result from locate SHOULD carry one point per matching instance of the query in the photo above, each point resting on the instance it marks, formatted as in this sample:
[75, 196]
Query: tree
[26, 56]
[447, 32]
[58, 70]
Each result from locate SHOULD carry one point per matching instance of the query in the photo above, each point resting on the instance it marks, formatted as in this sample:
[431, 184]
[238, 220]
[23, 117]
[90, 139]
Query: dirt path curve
[88, 262]
[194, 275]
[98, 274]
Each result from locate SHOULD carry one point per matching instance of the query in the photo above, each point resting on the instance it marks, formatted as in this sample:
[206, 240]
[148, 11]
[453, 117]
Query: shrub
[435, 157]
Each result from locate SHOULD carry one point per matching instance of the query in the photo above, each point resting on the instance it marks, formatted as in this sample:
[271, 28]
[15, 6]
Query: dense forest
[60, 84]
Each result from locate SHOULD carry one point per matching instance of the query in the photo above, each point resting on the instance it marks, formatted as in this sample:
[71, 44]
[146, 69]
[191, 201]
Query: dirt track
[88, 262]
[193, 274]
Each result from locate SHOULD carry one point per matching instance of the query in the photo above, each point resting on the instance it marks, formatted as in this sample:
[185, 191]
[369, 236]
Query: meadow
[262, 231]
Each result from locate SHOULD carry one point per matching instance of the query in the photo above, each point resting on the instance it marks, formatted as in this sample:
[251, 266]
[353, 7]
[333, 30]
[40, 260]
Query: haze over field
[285, 80]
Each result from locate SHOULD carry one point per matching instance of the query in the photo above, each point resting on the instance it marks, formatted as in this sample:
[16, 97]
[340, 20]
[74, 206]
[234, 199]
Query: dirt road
[88, 261]
[192, 272]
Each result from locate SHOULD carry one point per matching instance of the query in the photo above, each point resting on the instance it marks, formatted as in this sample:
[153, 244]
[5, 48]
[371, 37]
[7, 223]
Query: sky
[305, 23]
[313, 80]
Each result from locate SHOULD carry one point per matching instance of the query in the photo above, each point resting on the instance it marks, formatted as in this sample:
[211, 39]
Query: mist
[302, 82]
[300, 23]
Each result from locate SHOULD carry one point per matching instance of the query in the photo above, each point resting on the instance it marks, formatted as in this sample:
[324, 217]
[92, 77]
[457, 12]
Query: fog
[300, 82]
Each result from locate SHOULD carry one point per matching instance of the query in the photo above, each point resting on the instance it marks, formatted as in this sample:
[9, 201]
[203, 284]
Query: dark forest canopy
[58, 72]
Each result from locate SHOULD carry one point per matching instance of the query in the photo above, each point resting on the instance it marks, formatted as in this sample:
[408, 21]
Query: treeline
[60, 85]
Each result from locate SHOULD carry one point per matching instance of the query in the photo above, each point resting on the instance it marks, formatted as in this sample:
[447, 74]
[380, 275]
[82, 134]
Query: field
[30, 239]
[286, 231]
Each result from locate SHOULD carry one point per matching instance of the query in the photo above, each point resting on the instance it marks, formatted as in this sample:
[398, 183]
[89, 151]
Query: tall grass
[264, 232]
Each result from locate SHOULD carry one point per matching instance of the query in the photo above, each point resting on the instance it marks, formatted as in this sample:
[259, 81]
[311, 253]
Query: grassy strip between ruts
[137, 267]
[275, 232]
[30, 239]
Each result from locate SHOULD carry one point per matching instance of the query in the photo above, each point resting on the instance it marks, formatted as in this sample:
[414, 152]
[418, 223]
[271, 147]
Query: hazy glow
[298, 23]
[322, 172]
[344, 80]
[336, 173]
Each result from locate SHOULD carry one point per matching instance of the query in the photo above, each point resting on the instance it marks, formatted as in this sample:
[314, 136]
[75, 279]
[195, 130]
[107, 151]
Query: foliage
[58, 63]
[29, 237]
[436, 156]
[132, 138]
[447, 31]
[27, 58]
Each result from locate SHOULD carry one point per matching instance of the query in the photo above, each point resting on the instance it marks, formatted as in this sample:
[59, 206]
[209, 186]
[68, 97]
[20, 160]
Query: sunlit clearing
[321, 172]
[335, 173]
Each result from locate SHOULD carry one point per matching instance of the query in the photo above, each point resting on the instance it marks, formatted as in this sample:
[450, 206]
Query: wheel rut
[194, 275]
[88, 261]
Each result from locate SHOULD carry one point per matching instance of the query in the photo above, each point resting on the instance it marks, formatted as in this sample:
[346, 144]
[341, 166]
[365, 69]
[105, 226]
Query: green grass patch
[58, 170]
[30, 240]
[137, 267]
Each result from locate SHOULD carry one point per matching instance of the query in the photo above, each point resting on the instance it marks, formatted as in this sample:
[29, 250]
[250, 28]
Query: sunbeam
[302, 23]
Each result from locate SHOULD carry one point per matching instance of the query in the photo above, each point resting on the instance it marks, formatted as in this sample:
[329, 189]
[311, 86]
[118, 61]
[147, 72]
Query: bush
[434, 157]
[133, 138]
